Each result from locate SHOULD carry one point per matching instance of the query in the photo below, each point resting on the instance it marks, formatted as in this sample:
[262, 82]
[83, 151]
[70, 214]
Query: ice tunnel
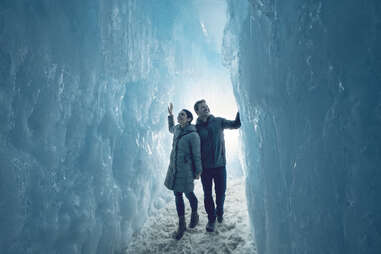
[84, 87]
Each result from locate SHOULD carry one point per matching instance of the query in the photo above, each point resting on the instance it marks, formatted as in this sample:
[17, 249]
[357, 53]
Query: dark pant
[219, 177]
[180, 202]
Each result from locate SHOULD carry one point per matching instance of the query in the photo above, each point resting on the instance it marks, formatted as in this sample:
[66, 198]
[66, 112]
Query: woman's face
[182, 118]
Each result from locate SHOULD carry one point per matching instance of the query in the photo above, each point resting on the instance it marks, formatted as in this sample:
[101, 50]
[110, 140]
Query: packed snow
[233, 235]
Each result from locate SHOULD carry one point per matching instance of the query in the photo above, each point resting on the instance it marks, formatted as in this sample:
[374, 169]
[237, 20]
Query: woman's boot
[194, 220]
[181, 229]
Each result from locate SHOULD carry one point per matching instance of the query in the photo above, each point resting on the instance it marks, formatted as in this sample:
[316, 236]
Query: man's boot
[194, 220]
[181, 229]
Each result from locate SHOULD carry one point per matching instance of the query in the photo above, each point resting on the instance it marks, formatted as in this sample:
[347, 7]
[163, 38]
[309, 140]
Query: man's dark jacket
[212, 139]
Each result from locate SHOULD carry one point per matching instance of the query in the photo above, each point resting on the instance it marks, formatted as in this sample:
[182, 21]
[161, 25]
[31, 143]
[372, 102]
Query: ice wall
[307, 79]
[83, 92]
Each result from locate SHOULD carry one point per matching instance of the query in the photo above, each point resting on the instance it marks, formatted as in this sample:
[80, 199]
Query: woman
[185, 166]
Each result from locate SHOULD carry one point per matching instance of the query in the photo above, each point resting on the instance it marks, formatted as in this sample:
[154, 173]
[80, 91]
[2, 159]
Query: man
[213, 158]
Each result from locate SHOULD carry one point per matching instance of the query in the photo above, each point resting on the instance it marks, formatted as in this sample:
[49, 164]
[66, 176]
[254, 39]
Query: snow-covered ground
[233, 235]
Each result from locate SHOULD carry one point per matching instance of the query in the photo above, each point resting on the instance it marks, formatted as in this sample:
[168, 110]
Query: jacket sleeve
[171, 125]
[227, 124]
[196, 153]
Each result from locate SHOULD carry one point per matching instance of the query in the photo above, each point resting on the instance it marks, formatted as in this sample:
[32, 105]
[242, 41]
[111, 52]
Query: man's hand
[170, 109]
[198, 176]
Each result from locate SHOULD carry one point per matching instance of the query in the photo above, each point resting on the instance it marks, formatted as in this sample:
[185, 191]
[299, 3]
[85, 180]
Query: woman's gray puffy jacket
[185, 161]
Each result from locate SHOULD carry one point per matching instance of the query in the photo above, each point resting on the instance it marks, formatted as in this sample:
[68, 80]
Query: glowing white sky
[212, 15]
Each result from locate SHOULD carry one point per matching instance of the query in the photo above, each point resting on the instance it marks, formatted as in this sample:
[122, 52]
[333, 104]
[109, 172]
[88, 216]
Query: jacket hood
[199, 122]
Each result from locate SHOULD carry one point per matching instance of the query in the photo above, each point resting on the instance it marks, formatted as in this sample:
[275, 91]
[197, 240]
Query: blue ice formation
[307, 79]
[81, 123]
[84, 87]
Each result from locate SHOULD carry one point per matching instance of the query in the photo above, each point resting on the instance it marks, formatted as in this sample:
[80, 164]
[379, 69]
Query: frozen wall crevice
[306, 79]
[83, 91]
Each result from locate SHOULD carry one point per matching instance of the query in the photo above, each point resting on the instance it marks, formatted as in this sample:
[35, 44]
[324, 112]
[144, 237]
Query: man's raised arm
[227, 124]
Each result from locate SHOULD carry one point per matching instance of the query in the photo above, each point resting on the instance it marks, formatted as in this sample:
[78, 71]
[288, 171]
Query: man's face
[203, 109]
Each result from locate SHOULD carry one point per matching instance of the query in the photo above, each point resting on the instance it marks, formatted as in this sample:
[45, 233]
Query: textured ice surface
[307, 79]
[83, 142]
[83, 91]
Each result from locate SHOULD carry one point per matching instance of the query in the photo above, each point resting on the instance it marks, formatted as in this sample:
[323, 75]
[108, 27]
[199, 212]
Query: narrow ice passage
[84, 145]
[231, 236]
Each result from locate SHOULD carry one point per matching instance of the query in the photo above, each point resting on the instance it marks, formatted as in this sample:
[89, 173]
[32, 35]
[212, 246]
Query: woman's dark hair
[189, 114]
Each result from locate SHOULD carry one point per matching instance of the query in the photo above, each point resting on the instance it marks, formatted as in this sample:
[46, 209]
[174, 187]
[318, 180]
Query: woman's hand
[170, 109]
